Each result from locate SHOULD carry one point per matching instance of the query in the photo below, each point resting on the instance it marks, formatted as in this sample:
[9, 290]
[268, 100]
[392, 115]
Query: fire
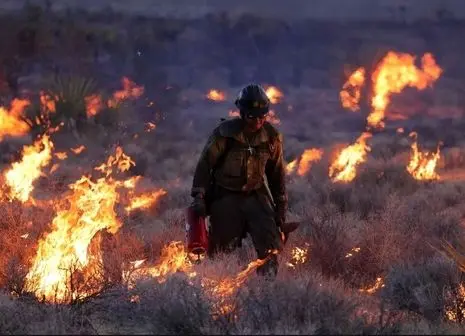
[47, 102]
[395, 72]
[93, 105]
[376, 286]
[130, 91]
[343, 169]
[11, 122]
[351, 90]
[353, 251]
[303, 164]
[274, 94]
[234, 114]
[216, 95]
[308, 157]
[422, 165]
[455, 305]
[21, 176]
[291, 166]
[61, 155]
[145, 201]
[272, 118]
[173, 259]
[89, 207]
[78, 150]
[299, 256]
[150, 126]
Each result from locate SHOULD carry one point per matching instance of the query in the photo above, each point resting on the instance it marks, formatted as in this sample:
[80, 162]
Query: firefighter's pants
[233, 215]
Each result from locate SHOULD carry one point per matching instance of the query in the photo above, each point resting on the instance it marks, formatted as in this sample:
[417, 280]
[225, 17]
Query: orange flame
[376, 286]
[308, 157]
[343, 169]
[145, 201]
[78, 150]
[173, 259]
[94, 105]
[150, 126]
[351, 90]
[299, 256]
[272, 118]
[130, 91]
[291, 166]
[61, 155]
[21, 176]
[303, 164]
[216, 95]
[395, 72]
[89, 208]
[422, 165]
[274, 94]
[234, 114]
[11, 123]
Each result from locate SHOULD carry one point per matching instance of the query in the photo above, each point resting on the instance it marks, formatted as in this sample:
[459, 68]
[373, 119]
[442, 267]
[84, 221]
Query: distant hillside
[397, 10]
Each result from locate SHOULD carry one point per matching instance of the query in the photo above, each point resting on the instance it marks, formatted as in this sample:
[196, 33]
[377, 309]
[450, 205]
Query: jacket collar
[234, 129]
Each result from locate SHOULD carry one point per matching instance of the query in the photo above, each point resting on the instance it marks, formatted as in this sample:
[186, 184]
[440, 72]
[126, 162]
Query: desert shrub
[421, 287]
[309, 305]
[173, 307]
[24, 316]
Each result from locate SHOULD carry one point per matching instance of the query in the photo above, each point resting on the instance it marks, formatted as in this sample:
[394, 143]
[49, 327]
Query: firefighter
[239, 181]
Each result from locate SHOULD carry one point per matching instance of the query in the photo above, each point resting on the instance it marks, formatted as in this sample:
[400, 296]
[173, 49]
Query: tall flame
[21, 176]
[395, 72]
[351, 90]
[88, 208]
[344, 168]
[422, 165]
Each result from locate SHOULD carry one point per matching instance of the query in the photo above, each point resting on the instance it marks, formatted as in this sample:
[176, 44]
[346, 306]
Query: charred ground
[384, 224]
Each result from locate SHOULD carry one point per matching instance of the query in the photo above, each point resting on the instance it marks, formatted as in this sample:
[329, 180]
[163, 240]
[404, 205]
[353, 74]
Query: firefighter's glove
[199, 206]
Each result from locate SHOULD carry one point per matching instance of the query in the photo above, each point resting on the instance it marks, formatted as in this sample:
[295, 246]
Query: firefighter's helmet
[253, 101]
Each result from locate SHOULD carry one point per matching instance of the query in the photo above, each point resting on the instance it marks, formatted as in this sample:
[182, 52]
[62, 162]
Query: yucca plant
[69, 92]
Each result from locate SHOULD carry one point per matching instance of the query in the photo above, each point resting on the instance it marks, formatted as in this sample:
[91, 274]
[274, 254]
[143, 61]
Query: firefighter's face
[254, 123]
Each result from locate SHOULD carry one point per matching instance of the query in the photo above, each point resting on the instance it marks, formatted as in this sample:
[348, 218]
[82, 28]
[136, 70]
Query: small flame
[376, 286]
[291, 166]
[21, 176]
[309, 156]
[352, 252]
[146, 200]
[11, 122]
[216, 95]
[351, 90]
[422, 165]
[299, 256]
[94, 105]
[234, 114]
[150, 126]
[78, 150]
[47, 102]
[61, 155]
[455, 304]
[344, 168]
[274, 94]
[130, 91]
[272, 118]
